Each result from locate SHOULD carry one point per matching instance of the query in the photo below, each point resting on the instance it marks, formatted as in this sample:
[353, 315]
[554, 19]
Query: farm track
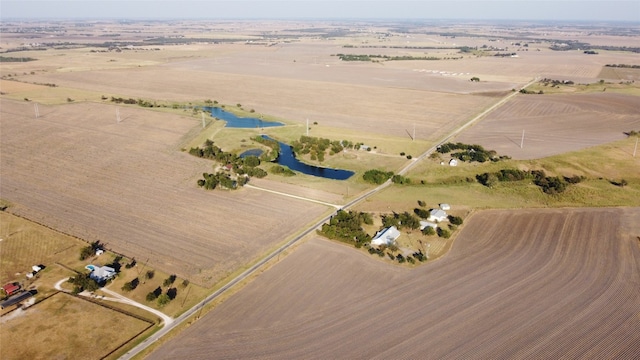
[553, 284]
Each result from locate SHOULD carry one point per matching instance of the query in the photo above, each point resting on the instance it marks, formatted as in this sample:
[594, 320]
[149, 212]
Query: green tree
[163, 299]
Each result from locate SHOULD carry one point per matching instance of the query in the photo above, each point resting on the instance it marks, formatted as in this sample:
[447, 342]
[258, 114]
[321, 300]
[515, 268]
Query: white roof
[445, 207]
[102, 273]
[437, 215]
[386, 236]
[424, 224]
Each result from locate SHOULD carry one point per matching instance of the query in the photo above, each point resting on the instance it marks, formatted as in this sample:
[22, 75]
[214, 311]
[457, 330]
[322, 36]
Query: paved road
[153, 338]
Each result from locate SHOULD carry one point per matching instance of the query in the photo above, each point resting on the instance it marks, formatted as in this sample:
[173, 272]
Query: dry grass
[66, 327]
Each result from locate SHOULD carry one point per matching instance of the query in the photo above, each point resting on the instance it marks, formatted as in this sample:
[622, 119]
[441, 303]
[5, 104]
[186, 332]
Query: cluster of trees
[548, 184]
[242, 167]
[90, 250]
[633, 133]
[626, 66]
[347, 227]
[355, 57]
[470, 153]
[553, 82]
[268, 156]
[531, 92]
[317, 147]
[282, 170]
[375, 176]
[211, 181]
[399, 179]
[16, 59]
[166, 297]
[405, 220]
[83, 282]
[504, 54]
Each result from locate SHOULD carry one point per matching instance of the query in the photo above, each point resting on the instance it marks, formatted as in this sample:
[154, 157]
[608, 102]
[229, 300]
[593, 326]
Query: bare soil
[517, 284]
[77, 170]
[555, 124]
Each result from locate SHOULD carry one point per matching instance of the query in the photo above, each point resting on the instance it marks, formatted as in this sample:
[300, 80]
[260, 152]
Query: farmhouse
[101, 273]
[437, 215]
[425, 224]
[386, 236]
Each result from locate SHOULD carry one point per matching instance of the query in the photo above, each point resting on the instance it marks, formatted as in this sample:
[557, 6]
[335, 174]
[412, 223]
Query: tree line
[549, 184]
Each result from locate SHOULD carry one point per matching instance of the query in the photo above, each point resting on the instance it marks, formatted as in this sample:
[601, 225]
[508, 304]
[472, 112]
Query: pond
[251, 152]
[288, 159]
[234, 121]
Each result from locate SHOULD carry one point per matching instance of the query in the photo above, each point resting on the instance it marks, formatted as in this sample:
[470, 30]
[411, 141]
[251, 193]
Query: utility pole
[522, 140]
[118, 115]
[414, 133]
[37, 111]
[635, 148]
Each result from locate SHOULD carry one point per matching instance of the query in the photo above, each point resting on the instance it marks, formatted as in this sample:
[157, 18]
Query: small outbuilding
[445, 207]
[386, 236]
[453, 162]
[11, 288]
[426, 224]
[437, 215]
[36, 268]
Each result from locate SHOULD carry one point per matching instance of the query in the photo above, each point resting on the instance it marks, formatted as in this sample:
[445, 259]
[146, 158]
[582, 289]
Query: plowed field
[555, 124]
[77, 170]
[531, 284]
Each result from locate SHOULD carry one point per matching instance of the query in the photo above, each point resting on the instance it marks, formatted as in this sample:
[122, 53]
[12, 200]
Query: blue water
[250, 152]
[90, 267]
[234, 121]
[288, 159]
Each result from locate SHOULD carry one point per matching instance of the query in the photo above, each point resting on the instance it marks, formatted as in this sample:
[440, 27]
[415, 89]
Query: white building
[102, 273]
[437, 215]
[453, 162]
[425, 224]
[386, 236]
[445, 207]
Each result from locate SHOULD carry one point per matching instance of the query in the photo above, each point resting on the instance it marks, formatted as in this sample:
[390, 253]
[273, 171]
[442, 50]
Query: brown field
[126, 184]
[517, 284]
[555, 124]
[66, 328]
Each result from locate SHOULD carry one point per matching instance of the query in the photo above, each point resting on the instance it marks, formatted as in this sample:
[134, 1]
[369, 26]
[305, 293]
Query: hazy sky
[596, 10]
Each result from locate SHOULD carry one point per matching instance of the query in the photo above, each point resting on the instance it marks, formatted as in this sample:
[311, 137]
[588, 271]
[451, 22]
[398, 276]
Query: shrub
[443, 233]
[163, 300]
[377, 176]
[170, 280]
[150, 274]
[455, 220]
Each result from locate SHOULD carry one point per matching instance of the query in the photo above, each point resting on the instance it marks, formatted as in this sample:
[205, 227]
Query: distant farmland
[551, 284]
[555, 124]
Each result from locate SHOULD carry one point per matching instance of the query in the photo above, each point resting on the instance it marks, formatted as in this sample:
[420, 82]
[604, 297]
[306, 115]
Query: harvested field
[524, 284]
[76, 170]
[66, 328]
[555, 124]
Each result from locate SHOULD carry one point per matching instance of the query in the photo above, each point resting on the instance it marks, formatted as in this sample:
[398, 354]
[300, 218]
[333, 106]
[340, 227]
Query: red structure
[11, 289]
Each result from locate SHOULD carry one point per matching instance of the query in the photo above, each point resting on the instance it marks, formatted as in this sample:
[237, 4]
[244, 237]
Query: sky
[573, 10]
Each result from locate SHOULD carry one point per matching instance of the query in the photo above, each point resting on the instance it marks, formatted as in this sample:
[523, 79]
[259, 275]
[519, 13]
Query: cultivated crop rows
[79, 171]
[524, 284]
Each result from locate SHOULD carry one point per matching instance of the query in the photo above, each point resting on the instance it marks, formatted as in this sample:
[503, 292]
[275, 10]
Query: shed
[386, 236]
[11, 289]
[437, 215]
[36, 268]
[453, 162]
[445, 207]
[425, 224]
[15, 299]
